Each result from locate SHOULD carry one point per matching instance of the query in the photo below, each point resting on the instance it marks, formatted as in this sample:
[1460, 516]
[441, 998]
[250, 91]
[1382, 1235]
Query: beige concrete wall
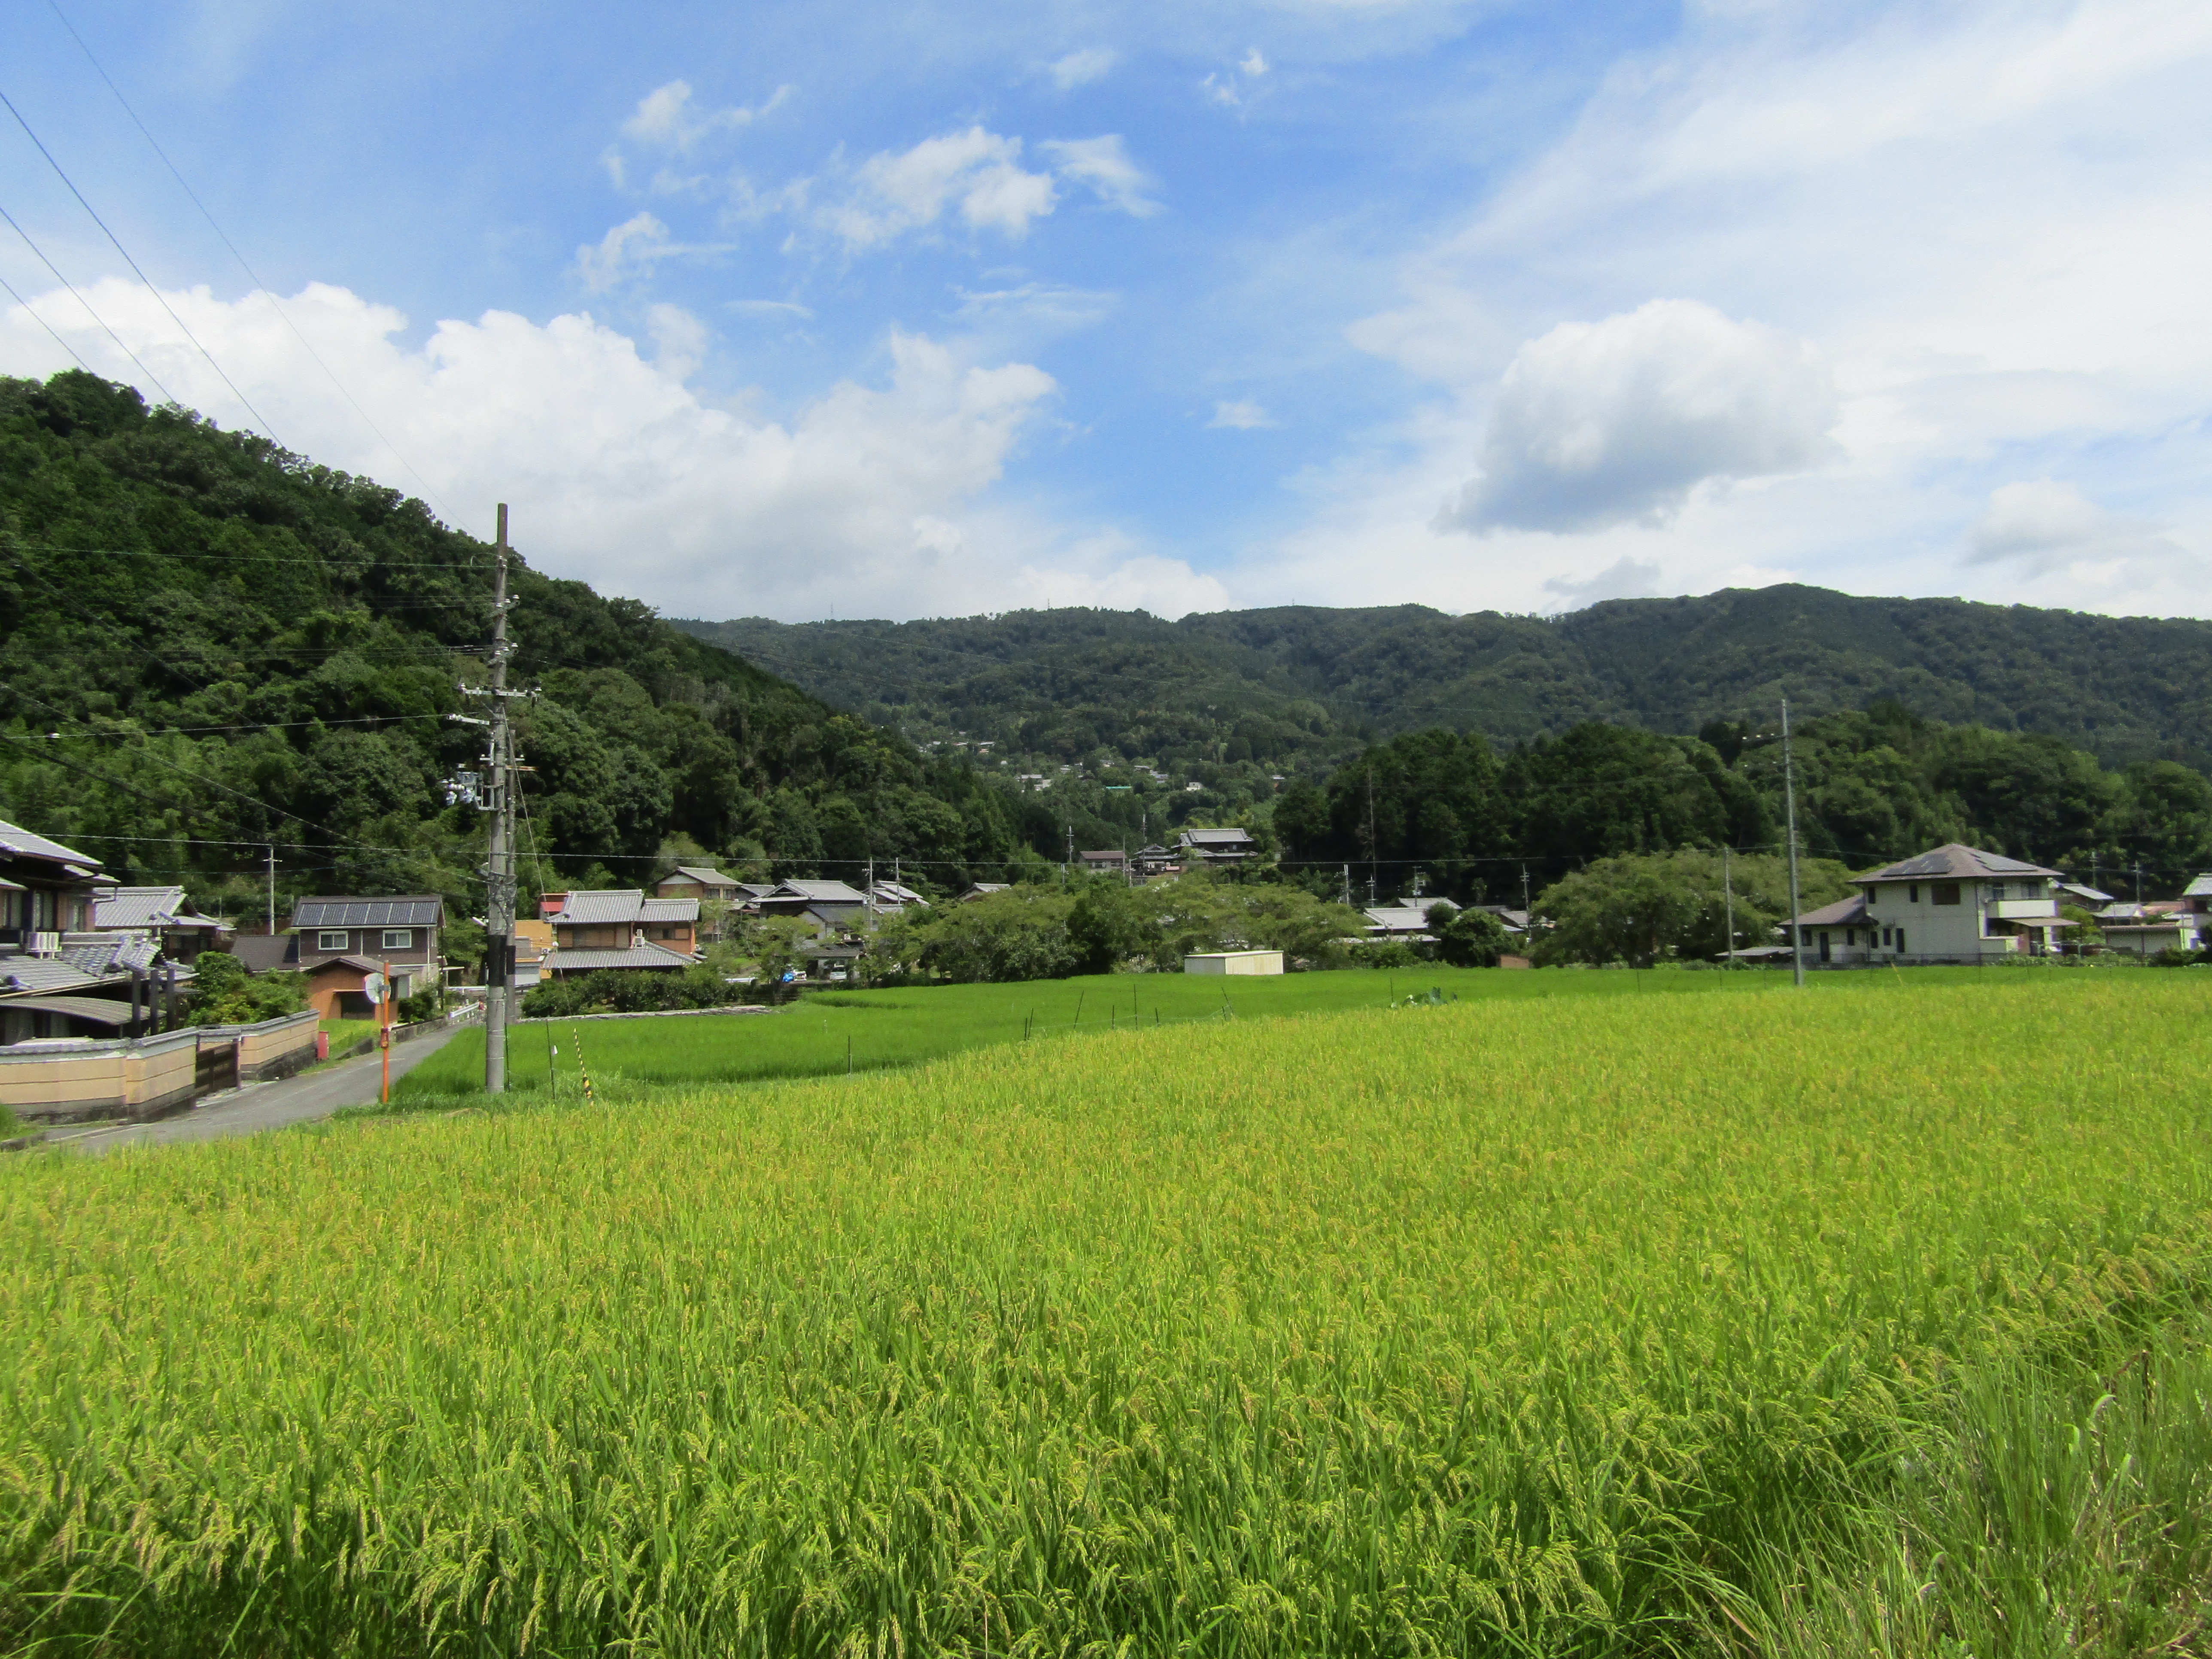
[100, 1078]
[1235, 961]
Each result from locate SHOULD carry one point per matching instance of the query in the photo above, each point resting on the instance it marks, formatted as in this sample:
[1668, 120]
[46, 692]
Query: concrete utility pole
[272, 892]
[1790, 801]
[1728, 895]
[498, 866]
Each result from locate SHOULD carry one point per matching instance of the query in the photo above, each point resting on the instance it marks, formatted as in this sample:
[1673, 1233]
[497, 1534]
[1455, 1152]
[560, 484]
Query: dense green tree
[1643, 907]
[1468, 938]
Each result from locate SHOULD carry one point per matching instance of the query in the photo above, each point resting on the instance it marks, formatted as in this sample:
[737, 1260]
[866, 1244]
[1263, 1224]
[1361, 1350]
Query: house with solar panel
[338, 941]
[1956, 904]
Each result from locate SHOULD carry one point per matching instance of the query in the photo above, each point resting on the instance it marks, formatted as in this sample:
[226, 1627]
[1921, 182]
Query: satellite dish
[372, 987]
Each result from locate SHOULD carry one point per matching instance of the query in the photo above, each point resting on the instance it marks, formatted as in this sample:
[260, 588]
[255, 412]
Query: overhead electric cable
[44, 323]
[253, 275]
[167, 395]
[159, 296]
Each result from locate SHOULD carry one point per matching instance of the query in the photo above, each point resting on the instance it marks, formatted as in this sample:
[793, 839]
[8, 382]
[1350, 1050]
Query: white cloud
[666, 118]
[977, 173]
[1253, 63]
[1080, 68]
[769, 308]
[885, 498]
[1626, 578]
[1102, 166]
[1241, 416]
[2044, 528]
[1600, 423]
[632, 249]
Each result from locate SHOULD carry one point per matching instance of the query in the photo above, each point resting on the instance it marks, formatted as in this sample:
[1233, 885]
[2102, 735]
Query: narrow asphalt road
[257, 1106]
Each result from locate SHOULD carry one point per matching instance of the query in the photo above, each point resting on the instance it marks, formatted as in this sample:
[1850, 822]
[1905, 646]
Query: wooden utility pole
[1789, 801]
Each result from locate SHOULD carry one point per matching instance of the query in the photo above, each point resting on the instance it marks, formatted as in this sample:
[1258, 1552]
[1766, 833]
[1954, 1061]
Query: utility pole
[1371, 850]
[1790, 800]
[272, 892]
[1728, 894]
[1347, 885]
[2138, 875]
[498, 866]
[1524, 890]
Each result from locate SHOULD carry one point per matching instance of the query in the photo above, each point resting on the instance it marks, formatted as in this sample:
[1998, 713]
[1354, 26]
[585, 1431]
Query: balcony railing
[2022, 910]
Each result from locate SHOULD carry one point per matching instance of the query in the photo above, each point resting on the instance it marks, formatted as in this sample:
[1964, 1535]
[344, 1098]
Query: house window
[1912, 894]
[1943, 892]
[1850, 935]
[1997, 890]
[333, 940]
[1900, 938]
[399, 939]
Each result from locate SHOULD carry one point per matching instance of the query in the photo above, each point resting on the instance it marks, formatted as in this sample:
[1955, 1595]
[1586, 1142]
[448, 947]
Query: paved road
[258, 1106]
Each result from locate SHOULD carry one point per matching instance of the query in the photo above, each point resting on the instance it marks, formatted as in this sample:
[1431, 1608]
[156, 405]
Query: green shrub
[224, 993]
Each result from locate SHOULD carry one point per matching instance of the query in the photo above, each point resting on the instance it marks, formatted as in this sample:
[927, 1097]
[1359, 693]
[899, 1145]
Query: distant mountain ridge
[2123, 688]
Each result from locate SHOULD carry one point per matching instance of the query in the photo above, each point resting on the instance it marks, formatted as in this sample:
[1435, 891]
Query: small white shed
[1235, 961]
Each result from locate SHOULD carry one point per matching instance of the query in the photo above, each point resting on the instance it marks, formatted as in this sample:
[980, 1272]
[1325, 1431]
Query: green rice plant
[829, 1032]
[1520, 1325]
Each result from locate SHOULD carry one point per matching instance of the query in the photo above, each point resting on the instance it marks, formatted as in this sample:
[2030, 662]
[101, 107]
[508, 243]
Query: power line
[133, 264]
[458, 566]
[167, 395]
[44, 323]
[253, 275]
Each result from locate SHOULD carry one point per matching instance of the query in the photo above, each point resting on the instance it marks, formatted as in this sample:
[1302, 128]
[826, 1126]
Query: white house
[2144, 930]
[1954, 904]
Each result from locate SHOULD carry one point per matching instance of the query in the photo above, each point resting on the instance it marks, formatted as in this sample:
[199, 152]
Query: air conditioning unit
[46, 945]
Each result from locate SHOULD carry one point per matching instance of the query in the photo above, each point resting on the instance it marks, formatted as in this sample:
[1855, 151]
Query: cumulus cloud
[1624, 578]
[2044, 527]
[1080, 68]
[1102, 166]
[1243, 414]
[976, 174]
[883, 496]
[1607, 422]
[666, 117]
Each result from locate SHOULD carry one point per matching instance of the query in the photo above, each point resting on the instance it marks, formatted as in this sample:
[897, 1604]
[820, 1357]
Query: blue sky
[903, 310]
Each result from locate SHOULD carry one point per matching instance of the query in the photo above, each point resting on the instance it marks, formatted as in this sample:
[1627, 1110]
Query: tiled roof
[2200, 888]
[1955, 861]
[19, 842]
[44, 973]
[603, 905]
[138, 907]
[891, 892]
[1216, 838]
[105, 954]
[705, 877]
[264, 953]
[1398, 918]
[669, 909]
[637, 956]
[359, 964]
[1843, 912]
[820, 892]
[413, 910]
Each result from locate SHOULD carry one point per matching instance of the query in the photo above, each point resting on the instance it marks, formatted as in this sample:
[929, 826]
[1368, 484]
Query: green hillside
[1305, 683]
[207, 645]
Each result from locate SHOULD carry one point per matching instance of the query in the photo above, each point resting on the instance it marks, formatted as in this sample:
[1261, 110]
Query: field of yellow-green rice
[1520, 1326]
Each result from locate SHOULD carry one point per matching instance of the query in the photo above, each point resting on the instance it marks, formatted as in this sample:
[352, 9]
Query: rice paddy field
[1868, 1320]
[831, 1032]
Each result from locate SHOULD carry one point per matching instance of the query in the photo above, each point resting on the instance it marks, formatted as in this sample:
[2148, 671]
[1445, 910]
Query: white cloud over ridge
[1602, 423]
[874, 500]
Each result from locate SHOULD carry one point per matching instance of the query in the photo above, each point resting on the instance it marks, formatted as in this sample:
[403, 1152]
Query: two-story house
[338, 941]
[601, 927]
[59, 977]
[1953, 904]
[694, 881]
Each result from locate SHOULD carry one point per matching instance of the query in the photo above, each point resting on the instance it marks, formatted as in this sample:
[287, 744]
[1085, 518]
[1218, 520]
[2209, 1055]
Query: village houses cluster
[81, 955]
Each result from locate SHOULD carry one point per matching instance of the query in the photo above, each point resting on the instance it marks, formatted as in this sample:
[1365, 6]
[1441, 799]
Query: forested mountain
[1305, 686]
[207, 645]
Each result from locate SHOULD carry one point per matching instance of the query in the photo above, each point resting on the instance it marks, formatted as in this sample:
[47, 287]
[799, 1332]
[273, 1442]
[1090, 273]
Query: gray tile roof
[41, 973]
[1843, 912]
[139, 907]
[637, 956]
[1216, 838]
[668, 909]
[412, 910]
[19, 842]
[1955, 862]
[101, 1009]
[705, 877]
[820, 892]
[2200, 888]
[264, 953]
[600, 906]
